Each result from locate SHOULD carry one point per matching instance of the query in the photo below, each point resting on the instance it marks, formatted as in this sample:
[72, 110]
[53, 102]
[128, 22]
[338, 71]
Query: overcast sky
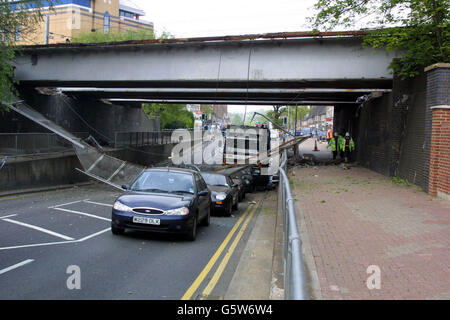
[197, 18]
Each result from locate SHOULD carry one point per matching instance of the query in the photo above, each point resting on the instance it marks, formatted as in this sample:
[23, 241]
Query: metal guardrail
[30, 143]
[294, 277]
[141, 139]
[144, 138]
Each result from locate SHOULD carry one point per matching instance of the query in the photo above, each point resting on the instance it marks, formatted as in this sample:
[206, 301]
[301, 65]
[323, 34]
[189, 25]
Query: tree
[418, 28]
[15, 19]
[276, 114]
[172, 116]
[238, 119]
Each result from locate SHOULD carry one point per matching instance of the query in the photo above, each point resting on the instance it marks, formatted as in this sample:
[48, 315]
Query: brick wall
[438, 102]
[440, 153]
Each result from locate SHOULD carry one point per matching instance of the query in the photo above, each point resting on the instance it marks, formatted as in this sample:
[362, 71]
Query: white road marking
[94, 235]
[11, 215]
[66, 204]
[18, 265]
[39, 229]
[82, 214]
[55, 243]
[98, 203]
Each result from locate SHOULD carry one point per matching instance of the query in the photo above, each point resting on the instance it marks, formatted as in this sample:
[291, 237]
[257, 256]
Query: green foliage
[100, 37]
[12, 21]
[172, 116]
[237, 120]
[399, 181]
[417, 28]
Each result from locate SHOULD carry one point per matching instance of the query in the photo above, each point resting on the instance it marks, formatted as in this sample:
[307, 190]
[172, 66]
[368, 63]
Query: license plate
[146, 220]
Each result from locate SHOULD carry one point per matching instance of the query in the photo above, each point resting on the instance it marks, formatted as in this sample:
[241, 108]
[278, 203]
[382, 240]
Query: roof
[130, 6]
[246, 37]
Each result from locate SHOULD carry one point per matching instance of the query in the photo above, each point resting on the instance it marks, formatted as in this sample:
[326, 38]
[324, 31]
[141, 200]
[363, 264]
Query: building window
[17, 34]
[106, 23]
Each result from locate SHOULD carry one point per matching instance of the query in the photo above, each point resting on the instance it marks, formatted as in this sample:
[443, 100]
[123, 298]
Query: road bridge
[284, 68]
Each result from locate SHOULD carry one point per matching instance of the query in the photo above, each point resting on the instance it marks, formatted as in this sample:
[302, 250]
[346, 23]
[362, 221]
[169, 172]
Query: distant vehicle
[224, 192]
[171, 200]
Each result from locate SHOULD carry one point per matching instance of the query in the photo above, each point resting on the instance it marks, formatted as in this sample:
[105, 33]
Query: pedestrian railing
[17, 144]
[145, 138]
[141, 139]
[294, 278]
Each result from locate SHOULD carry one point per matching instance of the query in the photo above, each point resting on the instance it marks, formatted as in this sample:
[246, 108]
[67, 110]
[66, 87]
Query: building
[69, 18]
[319, 117]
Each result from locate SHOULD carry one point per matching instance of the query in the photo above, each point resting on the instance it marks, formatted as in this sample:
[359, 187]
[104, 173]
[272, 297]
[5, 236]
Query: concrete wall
[99, 119]
[59, 169]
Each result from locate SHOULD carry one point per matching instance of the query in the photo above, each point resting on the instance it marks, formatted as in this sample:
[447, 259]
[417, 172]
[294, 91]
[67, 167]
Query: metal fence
[141, 139]
[294, 278]
[34, 143]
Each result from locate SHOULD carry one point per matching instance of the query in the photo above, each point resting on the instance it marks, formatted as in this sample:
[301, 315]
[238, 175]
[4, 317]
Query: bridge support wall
[405, 133]
[100, 119]
[438, 104]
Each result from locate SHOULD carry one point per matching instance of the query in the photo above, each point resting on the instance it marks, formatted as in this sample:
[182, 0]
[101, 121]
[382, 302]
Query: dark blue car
[169, 200]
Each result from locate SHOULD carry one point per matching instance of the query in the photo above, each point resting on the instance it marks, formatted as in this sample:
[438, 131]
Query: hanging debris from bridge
[95, 162]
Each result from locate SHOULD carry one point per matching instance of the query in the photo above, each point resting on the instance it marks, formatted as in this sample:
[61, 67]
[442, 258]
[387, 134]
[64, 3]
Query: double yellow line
[247, 216]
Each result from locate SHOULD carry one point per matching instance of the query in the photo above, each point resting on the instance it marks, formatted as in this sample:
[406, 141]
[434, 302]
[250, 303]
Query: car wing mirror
[125, 187]
[203, 193]
[234, 185]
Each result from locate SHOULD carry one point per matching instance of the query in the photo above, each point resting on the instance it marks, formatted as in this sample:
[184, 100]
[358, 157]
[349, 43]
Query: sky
[199, 18]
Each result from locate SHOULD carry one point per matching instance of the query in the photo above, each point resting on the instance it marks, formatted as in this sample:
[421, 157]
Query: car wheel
[117, 231]
[192, 233]
[207, 220]
[236, 205]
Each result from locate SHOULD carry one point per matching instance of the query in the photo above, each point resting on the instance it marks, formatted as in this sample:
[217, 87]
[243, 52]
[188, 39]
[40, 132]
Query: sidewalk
[352, 219]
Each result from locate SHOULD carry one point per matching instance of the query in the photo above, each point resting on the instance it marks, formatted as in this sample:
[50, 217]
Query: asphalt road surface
[58, 245]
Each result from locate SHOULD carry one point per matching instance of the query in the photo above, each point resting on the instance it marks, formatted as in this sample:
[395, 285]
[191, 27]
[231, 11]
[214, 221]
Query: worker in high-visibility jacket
[335, 143]
[347, 146]
[329, 134]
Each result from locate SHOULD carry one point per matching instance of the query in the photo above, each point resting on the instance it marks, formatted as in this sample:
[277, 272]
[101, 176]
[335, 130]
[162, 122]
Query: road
[42, 236]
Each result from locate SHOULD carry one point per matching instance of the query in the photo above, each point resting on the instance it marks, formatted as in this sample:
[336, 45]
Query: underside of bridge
[281, 69]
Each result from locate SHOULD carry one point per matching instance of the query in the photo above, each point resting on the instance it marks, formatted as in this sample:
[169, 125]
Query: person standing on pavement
[335, 145]
[347, 146]
[329, 134]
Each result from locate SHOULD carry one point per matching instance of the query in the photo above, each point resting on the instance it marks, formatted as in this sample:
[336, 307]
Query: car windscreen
[215, 179]
[164, 181]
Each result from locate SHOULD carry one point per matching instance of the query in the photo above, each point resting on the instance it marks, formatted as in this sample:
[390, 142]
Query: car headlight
[119, 206]
[221, 196]
[177, 212]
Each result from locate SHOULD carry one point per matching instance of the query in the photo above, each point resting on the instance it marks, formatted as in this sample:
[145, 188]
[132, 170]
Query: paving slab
[358, 222]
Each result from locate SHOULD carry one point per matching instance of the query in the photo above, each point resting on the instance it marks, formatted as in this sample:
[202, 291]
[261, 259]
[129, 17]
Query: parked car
[224, 192]
[172, 200]
[241, 186]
